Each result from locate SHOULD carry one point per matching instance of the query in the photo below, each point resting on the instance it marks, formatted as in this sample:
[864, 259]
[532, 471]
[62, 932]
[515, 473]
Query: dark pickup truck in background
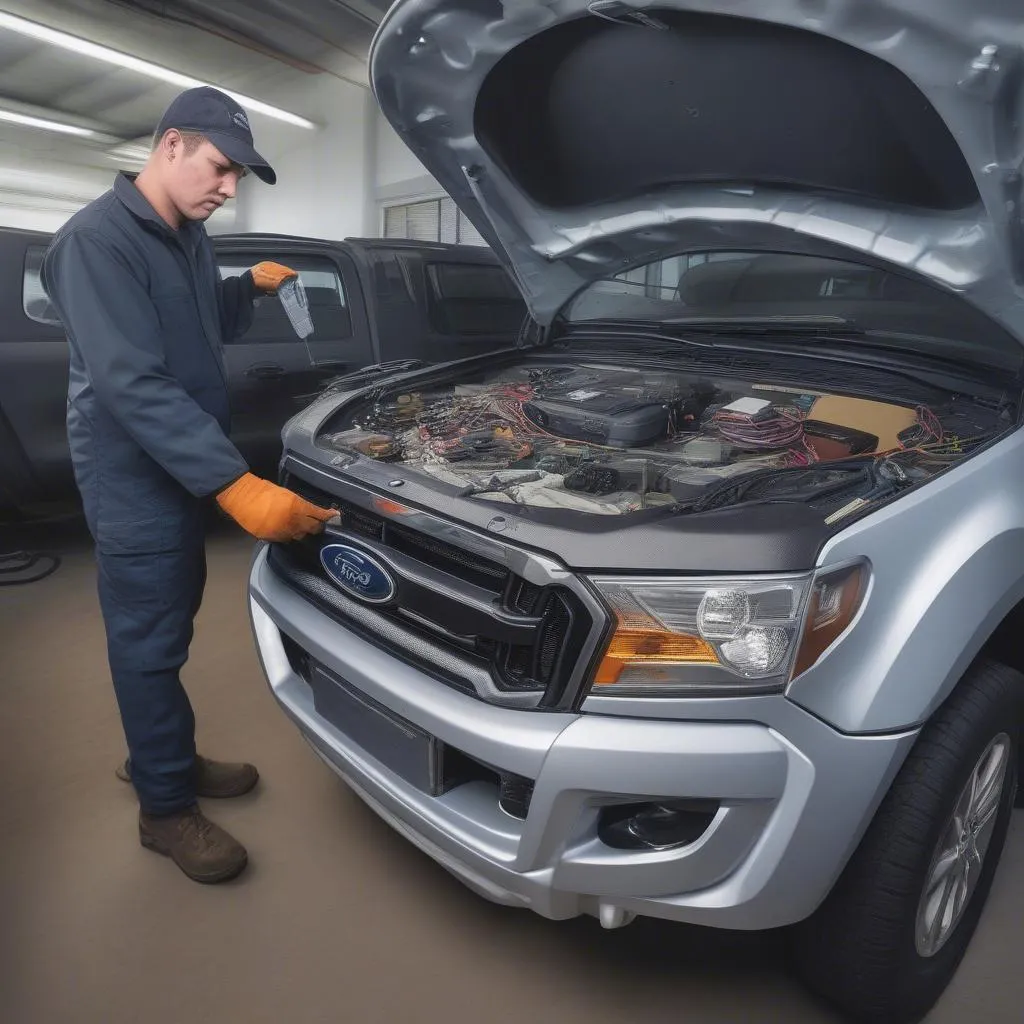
[372, 301]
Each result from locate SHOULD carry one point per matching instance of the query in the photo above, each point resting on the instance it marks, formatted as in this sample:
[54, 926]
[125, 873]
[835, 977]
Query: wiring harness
[480, 434]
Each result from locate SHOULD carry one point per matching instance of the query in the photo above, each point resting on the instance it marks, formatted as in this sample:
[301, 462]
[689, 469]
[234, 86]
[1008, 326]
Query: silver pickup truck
[703, 602]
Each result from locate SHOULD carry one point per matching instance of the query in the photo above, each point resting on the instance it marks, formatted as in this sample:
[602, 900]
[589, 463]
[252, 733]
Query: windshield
[880, 305]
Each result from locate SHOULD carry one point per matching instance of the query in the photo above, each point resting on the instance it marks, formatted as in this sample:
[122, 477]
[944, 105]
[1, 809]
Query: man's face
[200, 182]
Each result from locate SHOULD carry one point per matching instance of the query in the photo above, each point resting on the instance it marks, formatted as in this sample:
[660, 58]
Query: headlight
[682, 637]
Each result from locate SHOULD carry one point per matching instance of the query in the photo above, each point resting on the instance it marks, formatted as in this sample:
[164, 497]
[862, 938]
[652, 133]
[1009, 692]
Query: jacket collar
[139, 206]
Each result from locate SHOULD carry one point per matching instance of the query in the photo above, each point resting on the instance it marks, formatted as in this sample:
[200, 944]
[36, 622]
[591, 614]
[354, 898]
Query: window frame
[32, 250]
[436, 301]
[239, 261]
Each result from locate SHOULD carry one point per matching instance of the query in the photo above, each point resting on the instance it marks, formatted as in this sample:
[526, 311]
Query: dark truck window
[328, 307]
[34, 300]
[471, 299]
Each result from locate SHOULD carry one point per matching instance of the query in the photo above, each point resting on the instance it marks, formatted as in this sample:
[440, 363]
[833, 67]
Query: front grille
[430, 550]
[364, 523]
[551, 624]
[445, 557]
[414, 646]
[526, 595]
[556, 626]
[549, 661]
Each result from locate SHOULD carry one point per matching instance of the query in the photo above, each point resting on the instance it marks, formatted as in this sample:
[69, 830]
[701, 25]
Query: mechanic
[134, 279]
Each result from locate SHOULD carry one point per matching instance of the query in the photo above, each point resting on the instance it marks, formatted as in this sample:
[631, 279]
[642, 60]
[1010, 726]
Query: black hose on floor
[21, 567]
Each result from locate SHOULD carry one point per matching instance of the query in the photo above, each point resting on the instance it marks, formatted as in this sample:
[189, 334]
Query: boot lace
[199, 825]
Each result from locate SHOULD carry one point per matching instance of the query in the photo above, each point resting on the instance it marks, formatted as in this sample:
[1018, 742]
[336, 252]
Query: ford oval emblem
[358, 573]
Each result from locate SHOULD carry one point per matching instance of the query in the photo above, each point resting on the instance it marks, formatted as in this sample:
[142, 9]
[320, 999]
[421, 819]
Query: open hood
[584, 138]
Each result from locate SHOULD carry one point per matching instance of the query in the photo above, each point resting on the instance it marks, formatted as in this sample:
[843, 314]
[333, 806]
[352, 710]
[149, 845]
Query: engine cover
[603, 418]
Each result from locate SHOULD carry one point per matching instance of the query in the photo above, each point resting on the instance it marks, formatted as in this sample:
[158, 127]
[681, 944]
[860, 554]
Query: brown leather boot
[204, 851]
[216, 779]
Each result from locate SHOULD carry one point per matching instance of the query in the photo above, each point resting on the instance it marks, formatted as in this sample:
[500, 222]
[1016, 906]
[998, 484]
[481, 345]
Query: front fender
[947, 566]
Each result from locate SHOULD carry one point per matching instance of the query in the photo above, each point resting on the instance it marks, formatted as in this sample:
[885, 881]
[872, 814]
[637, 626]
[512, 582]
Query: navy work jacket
[146, 315]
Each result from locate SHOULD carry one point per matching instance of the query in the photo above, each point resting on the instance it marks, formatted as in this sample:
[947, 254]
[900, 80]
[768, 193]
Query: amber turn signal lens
[833, 605]
[651, 646]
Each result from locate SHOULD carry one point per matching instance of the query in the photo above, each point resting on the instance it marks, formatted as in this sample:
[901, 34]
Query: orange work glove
[270, 512]
[268, 277]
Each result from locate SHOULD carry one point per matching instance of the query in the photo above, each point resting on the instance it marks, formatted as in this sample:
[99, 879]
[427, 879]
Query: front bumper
[795, 796]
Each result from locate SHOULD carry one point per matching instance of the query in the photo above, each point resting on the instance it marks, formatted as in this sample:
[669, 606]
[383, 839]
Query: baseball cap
[215, 115]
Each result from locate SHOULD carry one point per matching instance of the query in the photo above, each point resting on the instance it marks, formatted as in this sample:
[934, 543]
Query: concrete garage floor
[337, 918]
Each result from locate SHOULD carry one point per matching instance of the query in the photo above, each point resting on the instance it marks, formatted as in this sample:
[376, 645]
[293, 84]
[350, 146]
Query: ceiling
[261, 48]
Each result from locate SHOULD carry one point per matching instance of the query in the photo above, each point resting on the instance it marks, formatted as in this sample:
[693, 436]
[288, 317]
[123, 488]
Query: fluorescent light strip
[131, 152]
[123, 60]
[41, 122]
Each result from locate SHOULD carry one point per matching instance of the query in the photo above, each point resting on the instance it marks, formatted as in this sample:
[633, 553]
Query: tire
[867, 950]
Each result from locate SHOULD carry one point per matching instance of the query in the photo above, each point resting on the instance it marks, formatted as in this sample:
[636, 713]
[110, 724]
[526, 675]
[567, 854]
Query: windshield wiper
[819, 483]
[805, 326]
[790, 324]
[368, 372]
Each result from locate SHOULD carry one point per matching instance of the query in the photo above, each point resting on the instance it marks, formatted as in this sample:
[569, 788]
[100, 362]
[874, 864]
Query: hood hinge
[532, 335]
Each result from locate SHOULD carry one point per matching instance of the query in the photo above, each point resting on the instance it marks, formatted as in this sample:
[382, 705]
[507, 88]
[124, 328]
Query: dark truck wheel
[889, 938]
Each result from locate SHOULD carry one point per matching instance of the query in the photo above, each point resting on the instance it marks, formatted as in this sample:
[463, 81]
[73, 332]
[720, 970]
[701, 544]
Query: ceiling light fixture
[46, 34]
[131, 152]
[28, 121]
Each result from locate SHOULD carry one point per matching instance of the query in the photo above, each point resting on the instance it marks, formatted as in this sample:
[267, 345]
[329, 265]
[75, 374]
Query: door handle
[265, 371]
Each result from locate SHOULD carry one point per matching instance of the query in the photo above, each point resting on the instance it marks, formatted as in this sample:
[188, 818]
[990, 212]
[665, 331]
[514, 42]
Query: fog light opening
[661, 825]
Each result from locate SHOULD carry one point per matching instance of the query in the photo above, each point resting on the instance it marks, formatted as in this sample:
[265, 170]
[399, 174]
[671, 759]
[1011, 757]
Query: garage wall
[332, 183]
[396, 165]
[41, 198]
[399, 178]
[323, 176]
[408, 201]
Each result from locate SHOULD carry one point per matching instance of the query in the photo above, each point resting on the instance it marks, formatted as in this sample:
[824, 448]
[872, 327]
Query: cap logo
[241, 120]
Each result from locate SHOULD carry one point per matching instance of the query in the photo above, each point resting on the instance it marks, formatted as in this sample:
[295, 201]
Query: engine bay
[612, 440]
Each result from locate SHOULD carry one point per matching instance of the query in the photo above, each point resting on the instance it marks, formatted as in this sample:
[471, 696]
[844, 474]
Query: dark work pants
[151, 581]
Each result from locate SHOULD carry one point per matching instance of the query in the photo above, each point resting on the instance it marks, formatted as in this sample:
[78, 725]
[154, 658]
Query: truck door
[35, 460]
[272, 373]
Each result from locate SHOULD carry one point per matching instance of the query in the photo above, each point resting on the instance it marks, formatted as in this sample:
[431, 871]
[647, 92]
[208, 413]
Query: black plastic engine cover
[605, 419]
